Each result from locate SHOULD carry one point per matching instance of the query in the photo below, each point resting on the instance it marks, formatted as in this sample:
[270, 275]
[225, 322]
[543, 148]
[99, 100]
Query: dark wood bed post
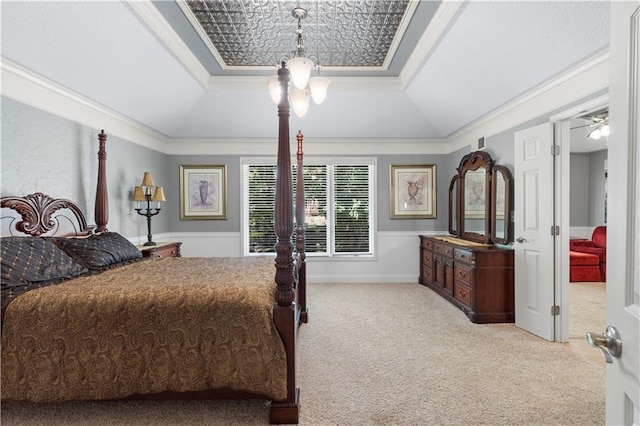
[300, 233]
[284, 311]
[101, 211]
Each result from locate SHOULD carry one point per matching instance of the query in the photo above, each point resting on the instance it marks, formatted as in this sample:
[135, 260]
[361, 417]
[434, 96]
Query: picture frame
[203, 192]
[413, 191]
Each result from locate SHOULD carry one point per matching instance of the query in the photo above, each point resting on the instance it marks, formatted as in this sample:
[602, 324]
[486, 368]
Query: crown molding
[579, 82]
[153, 19]
[29, 88]
[442, 19]
[337, 83]
[312, 146]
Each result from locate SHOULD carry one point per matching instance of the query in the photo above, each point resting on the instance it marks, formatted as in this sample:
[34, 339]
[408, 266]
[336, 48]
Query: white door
[623, 229]
[533, 219]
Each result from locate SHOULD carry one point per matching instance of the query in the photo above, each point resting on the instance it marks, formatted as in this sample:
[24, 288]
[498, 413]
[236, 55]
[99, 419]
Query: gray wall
[42, 152]
[31, 138]
[579, 189]
[444, 171]
[587, 188]
[597, 187]
[234, 183]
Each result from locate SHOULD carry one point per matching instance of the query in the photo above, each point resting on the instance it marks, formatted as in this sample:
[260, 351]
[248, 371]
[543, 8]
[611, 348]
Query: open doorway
[588, 172]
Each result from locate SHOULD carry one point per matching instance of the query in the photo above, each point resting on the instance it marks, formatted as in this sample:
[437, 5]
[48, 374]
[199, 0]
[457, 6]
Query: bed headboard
[41, 215]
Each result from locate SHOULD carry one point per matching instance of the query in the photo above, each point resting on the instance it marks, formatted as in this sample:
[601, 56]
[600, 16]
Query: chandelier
[300, 68]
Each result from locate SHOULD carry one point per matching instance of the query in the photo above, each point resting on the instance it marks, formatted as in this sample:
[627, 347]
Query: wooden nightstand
[161, 250]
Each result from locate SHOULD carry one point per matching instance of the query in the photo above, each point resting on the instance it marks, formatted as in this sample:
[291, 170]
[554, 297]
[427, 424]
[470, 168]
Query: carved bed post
[283, 207]
[101, 211]
[284, 311]
[300, 233]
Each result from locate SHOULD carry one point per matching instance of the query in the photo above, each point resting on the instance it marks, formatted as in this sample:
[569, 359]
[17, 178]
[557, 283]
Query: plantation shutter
[315, 190]
[261, 190]
[352, 203]
[338, 207]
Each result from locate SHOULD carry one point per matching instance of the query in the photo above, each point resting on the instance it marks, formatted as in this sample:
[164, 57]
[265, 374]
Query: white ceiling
[473, 58]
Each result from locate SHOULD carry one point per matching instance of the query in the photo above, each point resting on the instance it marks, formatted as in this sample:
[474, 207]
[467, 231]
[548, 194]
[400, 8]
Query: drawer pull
[462, 293]
[462, 274]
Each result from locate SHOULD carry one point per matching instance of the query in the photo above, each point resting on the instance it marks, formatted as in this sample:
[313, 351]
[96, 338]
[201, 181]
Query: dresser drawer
[427, 258]
[162, 250]
[462, 255]
[462, 273]
[443, 249]
[427, 275]
[462, 293]
[428, 244]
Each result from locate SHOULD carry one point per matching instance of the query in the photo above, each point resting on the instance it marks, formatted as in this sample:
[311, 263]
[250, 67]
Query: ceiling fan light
[274, 89]
[319, 86]
[300, 101]
[300, 68]
[595, 134]
[604, 131]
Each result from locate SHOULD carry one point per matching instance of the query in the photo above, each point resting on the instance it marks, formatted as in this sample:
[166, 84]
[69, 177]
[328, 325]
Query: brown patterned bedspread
[166, 324]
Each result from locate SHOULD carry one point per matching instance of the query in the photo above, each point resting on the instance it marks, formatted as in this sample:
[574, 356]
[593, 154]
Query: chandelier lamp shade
[300, 68]
[146, 193]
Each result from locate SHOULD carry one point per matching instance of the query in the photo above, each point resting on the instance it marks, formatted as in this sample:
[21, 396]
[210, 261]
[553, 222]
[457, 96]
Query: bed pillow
[32, 259]
[100, 251]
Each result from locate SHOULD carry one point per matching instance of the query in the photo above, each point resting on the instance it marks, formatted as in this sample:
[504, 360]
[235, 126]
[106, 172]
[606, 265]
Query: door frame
[561, 125]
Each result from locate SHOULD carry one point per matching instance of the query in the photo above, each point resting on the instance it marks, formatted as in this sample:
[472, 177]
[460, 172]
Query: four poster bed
[86, 318]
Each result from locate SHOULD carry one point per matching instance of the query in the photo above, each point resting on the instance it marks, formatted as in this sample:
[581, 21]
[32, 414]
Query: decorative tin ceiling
[250, 33]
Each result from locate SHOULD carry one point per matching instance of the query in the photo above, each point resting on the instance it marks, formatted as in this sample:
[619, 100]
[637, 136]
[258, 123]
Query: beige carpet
[586, 308]
[587, 312]
[389, 354]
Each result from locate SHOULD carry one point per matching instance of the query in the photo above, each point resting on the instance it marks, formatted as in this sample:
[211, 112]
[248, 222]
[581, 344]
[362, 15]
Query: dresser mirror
[503, 195]
[480, 200]
[453, 206]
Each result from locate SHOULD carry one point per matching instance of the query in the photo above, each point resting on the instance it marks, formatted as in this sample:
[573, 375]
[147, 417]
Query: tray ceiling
[335, 33]
[355, 38]
[445, 64]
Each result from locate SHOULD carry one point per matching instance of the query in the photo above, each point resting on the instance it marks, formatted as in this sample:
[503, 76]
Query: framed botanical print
[203, 192]
[413, 191]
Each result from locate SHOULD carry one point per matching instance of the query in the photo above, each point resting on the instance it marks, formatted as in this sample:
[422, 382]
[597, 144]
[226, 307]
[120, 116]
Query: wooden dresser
[161, 250]
[478, 278]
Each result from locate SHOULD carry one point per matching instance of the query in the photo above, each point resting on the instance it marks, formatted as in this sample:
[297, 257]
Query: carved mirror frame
[494, 220]
[502, 205]
[454, 206]
[475, 196]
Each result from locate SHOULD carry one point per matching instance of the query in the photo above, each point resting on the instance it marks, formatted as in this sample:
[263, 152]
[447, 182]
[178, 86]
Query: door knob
[520, 240]
[609, 343]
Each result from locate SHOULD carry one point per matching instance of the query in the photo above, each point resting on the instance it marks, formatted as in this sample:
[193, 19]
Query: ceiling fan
[600, 123]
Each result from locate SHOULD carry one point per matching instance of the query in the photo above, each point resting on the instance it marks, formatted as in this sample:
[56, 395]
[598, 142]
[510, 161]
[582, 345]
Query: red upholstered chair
[596, 245]
[583, 267]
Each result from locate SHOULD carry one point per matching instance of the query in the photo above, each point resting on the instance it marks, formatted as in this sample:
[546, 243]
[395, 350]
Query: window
[339, 213]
